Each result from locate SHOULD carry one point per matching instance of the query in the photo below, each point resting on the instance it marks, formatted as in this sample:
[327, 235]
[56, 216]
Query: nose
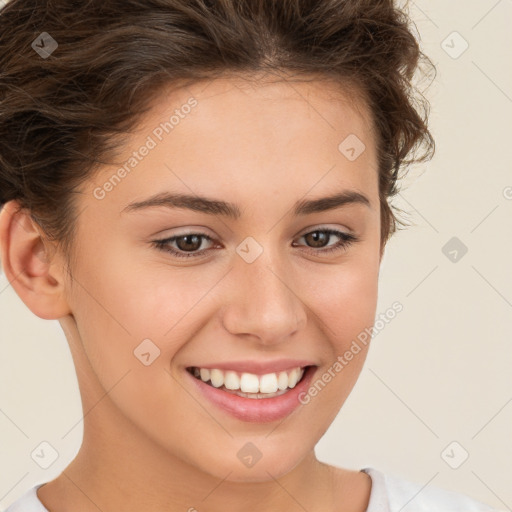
[262, 302]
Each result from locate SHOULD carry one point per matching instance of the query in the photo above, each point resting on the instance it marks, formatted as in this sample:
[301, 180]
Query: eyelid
[189, 230]
[320, 227]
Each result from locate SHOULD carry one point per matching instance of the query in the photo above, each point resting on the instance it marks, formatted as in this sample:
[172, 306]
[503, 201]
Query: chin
[268, 466]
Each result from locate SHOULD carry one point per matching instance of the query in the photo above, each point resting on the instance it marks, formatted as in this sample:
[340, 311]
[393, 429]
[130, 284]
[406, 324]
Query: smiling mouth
[250, 385]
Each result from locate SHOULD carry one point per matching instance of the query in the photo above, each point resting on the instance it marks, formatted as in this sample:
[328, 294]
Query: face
[271, 281]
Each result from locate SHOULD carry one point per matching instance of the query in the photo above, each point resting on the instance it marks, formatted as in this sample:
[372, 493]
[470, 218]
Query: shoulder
[28, 502]
[392, 493]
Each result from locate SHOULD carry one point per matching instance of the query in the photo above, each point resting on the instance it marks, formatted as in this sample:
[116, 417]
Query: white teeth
[249, 383]
[282, 380]
[217, 378]
[231, 380]
[293, 378]
[270, 383]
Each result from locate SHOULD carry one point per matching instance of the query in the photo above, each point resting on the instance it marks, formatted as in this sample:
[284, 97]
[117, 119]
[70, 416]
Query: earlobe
[28, 265]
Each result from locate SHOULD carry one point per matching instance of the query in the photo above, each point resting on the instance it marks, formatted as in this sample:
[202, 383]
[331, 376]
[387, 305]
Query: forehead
[266, 136]
[267, 103]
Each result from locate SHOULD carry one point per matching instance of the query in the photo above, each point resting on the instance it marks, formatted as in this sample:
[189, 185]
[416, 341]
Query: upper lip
[257, 367]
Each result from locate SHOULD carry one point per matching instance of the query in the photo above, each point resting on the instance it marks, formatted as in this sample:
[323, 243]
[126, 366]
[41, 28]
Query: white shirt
[389, 493]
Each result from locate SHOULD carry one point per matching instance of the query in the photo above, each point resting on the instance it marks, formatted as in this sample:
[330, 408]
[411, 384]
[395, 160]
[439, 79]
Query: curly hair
[62, 116]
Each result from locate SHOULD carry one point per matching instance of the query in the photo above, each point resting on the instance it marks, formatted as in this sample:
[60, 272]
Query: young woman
[199, 192]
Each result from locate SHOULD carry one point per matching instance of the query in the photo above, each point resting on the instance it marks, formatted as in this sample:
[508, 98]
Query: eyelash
[346, 240]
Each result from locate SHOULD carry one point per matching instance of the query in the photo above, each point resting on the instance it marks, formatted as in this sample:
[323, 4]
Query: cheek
[344, 310]
[134, 308]
[344, 299]
[132, 298]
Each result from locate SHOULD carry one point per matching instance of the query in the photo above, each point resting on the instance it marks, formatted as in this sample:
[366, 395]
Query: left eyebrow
[222, 208]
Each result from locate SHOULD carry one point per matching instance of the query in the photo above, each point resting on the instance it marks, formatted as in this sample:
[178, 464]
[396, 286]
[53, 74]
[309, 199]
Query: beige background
[440, 371]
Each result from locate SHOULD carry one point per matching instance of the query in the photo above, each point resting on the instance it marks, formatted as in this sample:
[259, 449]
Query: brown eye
[188, 242]
[187, 245]
[319, 238]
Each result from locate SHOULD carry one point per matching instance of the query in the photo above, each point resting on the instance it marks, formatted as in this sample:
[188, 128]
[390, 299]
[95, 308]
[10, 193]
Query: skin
[150, 441]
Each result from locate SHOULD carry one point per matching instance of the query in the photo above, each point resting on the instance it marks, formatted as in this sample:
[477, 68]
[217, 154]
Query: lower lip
[258, 410]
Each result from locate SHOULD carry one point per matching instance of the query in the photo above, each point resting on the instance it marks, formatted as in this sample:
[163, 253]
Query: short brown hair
[61, 116]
